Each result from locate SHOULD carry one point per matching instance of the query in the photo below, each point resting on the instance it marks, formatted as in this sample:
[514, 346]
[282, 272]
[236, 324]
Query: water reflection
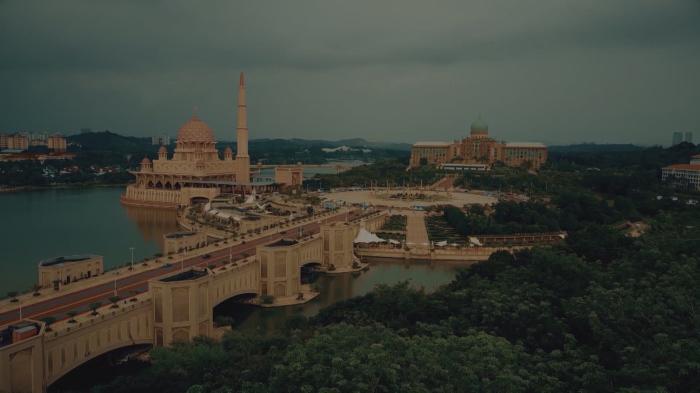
[152, 223]
[337, 288]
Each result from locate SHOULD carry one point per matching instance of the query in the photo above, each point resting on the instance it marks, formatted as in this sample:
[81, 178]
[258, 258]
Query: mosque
[197, 172]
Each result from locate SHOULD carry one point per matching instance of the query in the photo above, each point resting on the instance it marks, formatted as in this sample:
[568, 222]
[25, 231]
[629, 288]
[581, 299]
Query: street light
[132, 258]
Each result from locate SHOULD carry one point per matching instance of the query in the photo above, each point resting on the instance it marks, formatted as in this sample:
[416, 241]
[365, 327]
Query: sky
[553, 71]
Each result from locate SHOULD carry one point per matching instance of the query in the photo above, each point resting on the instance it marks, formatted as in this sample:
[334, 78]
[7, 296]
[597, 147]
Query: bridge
[172, 303]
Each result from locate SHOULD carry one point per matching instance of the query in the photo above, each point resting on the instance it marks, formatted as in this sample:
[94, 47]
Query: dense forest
[601, 312]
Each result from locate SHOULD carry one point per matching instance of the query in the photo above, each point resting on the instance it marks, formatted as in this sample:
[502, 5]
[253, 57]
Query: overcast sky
[555, 71]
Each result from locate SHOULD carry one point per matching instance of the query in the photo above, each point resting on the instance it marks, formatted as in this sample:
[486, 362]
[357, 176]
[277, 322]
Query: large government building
[195, 169]
[478, 151]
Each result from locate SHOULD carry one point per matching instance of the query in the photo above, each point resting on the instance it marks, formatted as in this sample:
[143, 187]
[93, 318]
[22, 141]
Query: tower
[242, 158]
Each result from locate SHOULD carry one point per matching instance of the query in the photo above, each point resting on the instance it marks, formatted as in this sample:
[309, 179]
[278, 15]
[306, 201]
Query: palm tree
[94, 307]
[114, 300]
[72, 315]
[48, 321]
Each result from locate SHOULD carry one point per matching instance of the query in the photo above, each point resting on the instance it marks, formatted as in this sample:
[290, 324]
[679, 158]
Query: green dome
[479, 126]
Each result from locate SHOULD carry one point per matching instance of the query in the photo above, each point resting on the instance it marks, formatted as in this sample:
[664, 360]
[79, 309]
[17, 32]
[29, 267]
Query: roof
[195, 130]
[185, 276]
[479, 126]
[283, 243]
[686, 167]
[177, 235]
[431, 144]
[66, 259]
[364, 236]
[537, 145]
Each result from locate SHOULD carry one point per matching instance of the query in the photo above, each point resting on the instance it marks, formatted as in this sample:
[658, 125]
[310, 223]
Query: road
[79, 301]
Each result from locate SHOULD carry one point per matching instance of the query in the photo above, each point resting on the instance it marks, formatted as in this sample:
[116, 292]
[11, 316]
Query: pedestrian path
[416, 232]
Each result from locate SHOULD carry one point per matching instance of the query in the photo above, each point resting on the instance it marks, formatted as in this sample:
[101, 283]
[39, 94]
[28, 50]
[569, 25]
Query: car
[206, 256]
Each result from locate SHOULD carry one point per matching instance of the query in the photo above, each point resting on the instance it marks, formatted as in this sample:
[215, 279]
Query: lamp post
[132, 258]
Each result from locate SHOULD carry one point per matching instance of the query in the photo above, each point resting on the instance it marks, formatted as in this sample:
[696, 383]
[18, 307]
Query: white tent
[441, 243]
[392, 241]
[474, 241]
[366, 237]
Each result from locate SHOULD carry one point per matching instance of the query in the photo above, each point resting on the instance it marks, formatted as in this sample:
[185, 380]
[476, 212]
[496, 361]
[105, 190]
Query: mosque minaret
[242, 158]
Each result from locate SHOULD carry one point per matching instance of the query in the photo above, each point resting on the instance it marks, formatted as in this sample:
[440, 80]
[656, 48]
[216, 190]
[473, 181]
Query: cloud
[377, 69]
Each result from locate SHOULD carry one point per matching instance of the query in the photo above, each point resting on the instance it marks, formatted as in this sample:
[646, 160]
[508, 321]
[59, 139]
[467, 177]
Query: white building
[683, 174]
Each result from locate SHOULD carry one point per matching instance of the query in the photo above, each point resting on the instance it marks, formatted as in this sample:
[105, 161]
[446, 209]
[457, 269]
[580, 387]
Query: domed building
[196, 170]
[478, 151]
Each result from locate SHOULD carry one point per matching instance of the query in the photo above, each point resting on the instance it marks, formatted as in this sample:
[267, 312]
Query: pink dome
[145, 161]
[163, 150]
[195, 130]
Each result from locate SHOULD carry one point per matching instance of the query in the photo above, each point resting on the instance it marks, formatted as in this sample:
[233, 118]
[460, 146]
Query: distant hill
[110, 141]
[273, 151]
[594, 148]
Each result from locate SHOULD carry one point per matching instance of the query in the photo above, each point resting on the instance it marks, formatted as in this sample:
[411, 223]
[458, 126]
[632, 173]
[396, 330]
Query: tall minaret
[242, 124]
[242, 158]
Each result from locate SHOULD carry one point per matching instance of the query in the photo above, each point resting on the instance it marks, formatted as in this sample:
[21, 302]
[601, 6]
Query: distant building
[160, 140]
[689, 137]
[37, 140]
[683, 175]
[677, 138]
[289, 175]
[15, 141]
[57, 143]
[479, 148]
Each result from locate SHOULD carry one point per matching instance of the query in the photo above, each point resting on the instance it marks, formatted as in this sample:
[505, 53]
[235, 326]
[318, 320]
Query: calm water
[43, 224]
[336, 288]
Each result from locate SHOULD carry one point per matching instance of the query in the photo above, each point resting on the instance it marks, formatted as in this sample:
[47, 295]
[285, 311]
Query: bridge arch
[66, 350]
[84, 375]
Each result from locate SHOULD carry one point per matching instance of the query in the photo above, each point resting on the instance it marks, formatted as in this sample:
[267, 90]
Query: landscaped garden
[440, 230]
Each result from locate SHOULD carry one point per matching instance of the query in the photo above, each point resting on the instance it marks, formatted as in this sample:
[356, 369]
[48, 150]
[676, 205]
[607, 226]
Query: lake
[42, 224]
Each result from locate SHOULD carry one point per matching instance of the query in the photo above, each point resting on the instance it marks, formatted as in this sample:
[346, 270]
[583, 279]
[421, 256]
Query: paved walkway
[416, 232]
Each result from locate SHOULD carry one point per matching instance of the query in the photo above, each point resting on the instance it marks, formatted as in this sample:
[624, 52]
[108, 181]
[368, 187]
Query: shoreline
[61, 186]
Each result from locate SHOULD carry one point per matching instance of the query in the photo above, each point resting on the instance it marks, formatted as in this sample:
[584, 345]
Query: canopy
[366, 237]
[474, 241]
[392, 241]
[441, 243]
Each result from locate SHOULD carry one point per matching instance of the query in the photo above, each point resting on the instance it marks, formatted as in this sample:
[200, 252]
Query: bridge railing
[104, 313]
